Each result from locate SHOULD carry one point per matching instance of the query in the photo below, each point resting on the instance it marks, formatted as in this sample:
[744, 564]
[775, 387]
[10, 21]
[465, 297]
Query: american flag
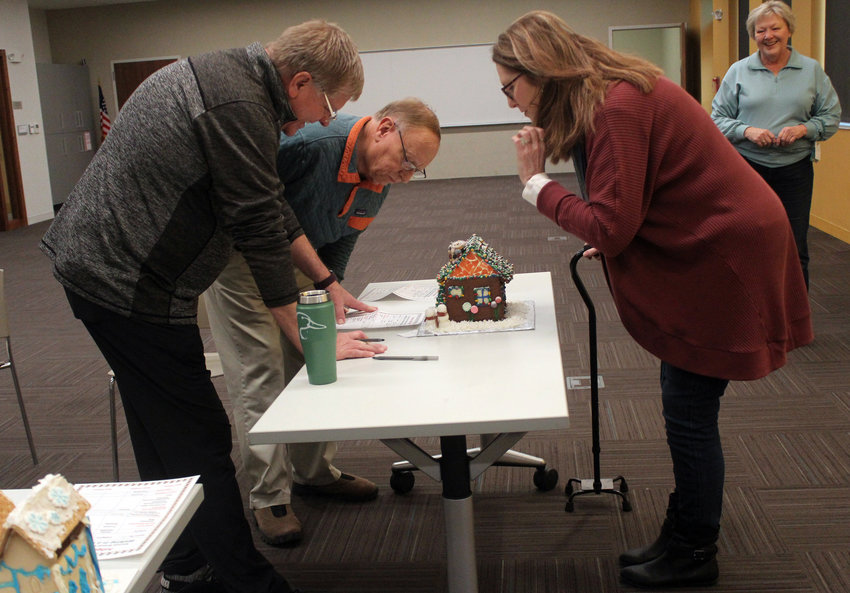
[105, 122]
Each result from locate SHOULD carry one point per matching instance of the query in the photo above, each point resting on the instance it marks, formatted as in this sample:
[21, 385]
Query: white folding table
[142, 566]
[498, 383]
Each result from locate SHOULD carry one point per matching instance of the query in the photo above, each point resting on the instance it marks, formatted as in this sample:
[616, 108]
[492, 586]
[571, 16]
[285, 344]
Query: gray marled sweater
[187, 173]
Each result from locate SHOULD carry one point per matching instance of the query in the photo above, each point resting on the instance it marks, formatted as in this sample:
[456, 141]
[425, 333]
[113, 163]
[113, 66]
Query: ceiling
[60, 4]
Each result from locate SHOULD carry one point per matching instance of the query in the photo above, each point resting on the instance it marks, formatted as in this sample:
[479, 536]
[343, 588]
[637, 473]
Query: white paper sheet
[410, 292]
[379, 319]
[127, 516]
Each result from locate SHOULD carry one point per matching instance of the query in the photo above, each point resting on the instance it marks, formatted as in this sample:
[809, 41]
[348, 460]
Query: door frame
[12, 161]
[112, 73]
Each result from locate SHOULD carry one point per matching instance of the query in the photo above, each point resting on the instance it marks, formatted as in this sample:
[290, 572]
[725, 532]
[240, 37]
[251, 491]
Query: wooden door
[13, 211]
[129, 75]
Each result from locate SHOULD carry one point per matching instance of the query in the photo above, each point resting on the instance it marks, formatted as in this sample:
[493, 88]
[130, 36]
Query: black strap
[580, 164]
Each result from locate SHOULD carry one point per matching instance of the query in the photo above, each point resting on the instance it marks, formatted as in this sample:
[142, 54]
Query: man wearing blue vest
[336, 179]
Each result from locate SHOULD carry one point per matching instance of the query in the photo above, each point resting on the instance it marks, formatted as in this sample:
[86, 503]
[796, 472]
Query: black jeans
[178, 427]
[691, 405]
[793, 184]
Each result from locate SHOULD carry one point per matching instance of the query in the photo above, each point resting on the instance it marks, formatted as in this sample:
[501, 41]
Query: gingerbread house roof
[476, 259]
[46, 518]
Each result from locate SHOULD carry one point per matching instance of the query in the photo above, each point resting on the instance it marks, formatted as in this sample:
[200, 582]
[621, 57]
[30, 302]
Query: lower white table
[501, 383]
[143, 566]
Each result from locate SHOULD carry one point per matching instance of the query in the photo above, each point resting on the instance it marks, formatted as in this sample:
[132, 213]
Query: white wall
[16, 37]
[146, 30]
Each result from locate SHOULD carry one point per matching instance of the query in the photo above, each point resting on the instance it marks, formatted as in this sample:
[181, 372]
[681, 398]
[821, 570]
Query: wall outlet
[23, 129]
[34, 129]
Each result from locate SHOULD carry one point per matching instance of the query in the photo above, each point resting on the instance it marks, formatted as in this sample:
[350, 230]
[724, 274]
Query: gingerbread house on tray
[472, 283]
[45, 542]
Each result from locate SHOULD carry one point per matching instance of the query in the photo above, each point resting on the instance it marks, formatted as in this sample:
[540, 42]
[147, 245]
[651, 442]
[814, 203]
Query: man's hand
[345, 300]
[348, 345]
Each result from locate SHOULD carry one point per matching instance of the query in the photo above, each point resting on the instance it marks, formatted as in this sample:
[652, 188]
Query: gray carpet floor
[786, 437]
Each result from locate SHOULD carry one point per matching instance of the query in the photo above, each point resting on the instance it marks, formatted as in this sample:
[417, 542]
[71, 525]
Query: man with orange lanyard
[336, 179]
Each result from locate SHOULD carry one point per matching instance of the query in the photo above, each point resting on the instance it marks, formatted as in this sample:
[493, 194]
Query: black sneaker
[201, 581]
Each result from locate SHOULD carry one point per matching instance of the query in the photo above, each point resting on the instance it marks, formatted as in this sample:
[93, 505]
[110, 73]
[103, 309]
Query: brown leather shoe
[347, 487]
[278, 525]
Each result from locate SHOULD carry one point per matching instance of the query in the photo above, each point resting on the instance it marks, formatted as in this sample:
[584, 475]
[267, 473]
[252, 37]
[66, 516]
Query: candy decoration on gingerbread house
[472, 283]
[46, 544]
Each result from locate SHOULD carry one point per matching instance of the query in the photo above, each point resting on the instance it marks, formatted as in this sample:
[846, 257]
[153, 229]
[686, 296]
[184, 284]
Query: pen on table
[371, 339]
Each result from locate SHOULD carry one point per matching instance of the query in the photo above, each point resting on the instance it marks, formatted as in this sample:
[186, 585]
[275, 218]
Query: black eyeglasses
[510, 94]
[406, 164]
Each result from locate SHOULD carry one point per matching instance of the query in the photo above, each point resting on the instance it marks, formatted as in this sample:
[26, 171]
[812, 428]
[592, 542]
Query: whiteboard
[458, 82]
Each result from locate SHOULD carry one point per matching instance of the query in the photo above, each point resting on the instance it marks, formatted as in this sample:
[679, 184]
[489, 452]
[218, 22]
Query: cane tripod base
[591, 486]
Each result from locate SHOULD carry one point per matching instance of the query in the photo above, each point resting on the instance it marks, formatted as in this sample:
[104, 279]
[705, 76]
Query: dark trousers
[793, 184]
[691, 406]
[179, 428]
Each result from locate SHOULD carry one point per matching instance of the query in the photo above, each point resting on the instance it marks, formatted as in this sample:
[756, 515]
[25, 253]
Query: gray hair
[325, 51]
[776, 7]
[411, 113]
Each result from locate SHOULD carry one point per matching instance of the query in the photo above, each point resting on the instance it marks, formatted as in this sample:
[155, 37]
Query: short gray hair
[776, 7]
[411, 113]
[325, 51]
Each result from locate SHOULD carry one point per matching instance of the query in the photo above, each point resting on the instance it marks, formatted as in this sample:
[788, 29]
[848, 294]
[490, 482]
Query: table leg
[457, 505]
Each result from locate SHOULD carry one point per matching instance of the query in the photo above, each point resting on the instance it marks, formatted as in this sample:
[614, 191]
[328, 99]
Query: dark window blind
[837, 54]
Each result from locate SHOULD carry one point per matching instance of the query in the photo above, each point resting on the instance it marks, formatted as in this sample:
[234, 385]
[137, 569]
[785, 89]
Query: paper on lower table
[127, 516]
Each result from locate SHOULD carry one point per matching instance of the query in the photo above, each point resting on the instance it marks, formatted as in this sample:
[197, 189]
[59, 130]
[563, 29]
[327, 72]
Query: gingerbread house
[45, 542]
[472, 283]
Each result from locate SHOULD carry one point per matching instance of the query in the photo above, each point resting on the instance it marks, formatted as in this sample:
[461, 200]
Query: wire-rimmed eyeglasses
[331, 110]
[406, 164]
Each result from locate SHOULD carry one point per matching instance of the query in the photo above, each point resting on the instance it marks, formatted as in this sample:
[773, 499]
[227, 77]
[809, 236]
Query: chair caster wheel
[402, 482]
[627, 506]
[624, 487]
[545, 479]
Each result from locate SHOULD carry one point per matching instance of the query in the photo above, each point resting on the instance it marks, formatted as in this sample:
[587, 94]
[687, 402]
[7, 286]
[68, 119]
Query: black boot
[656, 548]
[678, 566]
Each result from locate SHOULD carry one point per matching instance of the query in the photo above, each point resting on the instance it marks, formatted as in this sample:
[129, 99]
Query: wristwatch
[326, 282]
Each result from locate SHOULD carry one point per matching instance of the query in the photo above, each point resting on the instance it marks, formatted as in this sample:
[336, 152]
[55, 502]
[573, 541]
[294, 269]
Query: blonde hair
[325, 51]
[776, 7]
[572, 71]
[411, 113]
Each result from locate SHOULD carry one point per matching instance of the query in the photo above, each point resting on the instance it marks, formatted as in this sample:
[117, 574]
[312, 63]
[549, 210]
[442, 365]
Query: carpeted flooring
[786, 437]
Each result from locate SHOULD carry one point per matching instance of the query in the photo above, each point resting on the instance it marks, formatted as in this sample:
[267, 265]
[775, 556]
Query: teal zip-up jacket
[318, 167]
[751, 95]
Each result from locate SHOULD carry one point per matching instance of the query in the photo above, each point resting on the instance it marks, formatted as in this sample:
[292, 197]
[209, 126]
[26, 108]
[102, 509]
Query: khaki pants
[258, 361]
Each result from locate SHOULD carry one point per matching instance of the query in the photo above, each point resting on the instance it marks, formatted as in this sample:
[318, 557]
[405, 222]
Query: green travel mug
[317, 330]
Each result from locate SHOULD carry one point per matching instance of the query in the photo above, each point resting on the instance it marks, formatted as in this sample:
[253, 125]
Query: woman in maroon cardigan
[697, 248]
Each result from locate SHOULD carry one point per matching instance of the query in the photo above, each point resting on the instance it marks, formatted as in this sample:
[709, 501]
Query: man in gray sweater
[188, 174]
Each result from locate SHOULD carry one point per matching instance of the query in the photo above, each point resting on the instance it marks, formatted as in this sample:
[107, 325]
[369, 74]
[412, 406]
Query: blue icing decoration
[55, 518]
[37, 522]
[84, 582]
[40, 572]
[59, 496]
